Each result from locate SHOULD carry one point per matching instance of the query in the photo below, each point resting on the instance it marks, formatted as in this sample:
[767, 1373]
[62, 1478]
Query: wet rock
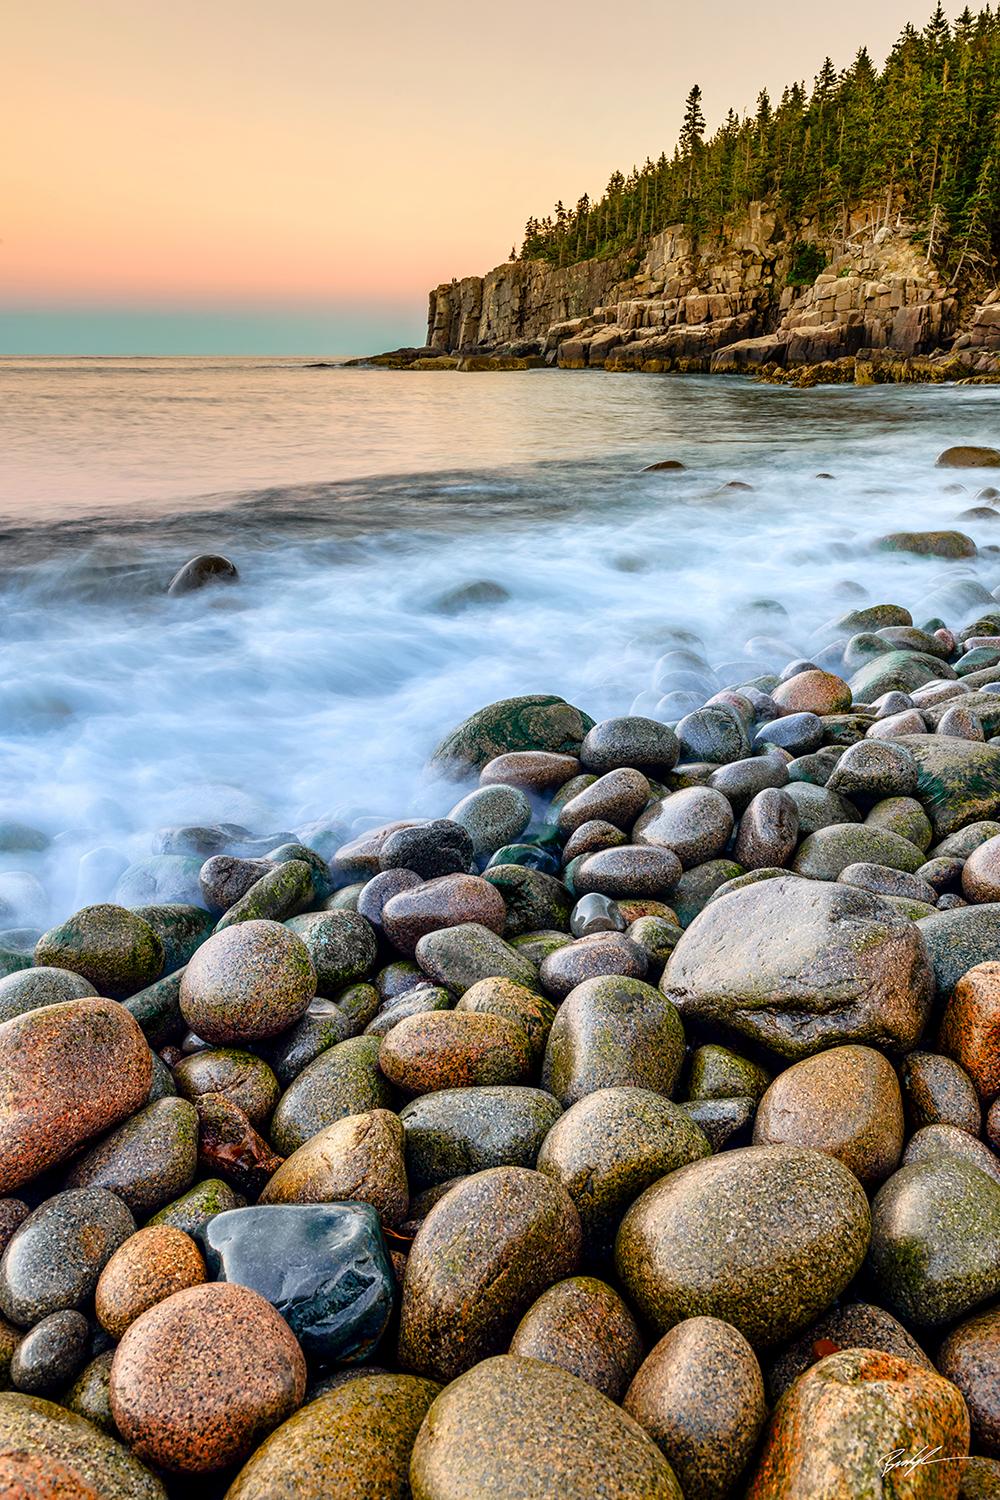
[359, 859]
[835, 1428]
[846, 1102]
[448, 901]
[67, 1072]
[768, 831]
[458, 957]
[358, 1158]
[49, 1451]
[903, 816]
[764, 1238]
[947, 1140]
[595, 913]
[54, 1259]
[225, 879]
[936, 1091]
[608, 1148]
[181, 929]
[341, 945]
[896, 671]
[828, 851]
[492, 816]
[800, 966]
[656, 938]
[485, 1427]
[536, 771]
[969, 1358]
[970, 1030]
[29, 989]
[818, 807]
[195, 1207]
[591, 837]
[512, 1002]
[380, 890]
[898, 726]
[534, 901]
[961, 723]
[417, 1002]
[109, 946]
[875, 768]
[616, 798]
[229, 1147]
[584, 1328]
[458, 1132]
[700, 1396]
[959, 940]
[344, 1080]
[798, 734]
[714, 734]
[202, 571]
[323, 1025]
[935, 1245]
[958, 782]
[322, 1266]
[454, 1049]
[613, 1032]
[697, 886]
[247, 983]
[633, 871]
[354, 1442]
[717, 1073]
[813, 692]
[854, 1325]
[533, 722]
[981, 873]
[283, 892]
[150, 1266]
[741, 780]
[482, 1256]
[965, 841]
[51, 1356]
[644, 744]
[90, 1395]
[883, 881]
[968, 458]
[694, 823]
[176, 1370]
[165, 879]
[242, 1077]
[530, 856]
[148, 1160]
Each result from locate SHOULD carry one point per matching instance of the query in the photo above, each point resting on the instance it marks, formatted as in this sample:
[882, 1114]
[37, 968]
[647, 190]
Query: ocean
[353, 502]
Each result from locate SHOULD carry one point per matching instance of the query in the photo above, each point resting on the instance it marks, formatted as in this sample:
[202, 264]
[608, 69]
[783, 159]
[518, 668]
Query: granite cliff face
[725, 305]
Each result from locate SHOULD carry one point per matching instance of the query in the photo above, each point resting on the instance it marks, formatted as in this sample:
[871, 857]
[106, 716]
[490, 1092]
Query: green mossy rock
[613, 1032]
[458, 957]
[959, 780]
[538, 721]
[116, 950]
[535, 902]
[959, 939]
[696, 885]
[341, 944]
[158, 1009]
[282, 893]
[457, 1132]
[49, 1451]
[181, 929]
[829, 850]
[344, 1080]
[896, 672]
[193, 1210]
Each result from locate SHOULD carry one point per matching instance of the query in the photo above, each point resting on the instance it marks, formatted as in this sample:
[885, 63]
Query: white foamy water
[350, 500]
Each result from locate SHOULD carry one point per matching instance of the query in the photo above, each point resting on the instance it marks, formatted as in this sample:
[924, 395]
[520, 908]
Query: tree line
[920, 139]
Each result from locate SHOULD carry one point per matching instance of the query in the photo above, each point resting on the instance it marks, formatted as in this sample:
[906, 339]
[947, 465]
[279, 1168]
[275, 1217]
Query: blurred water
[350, 501]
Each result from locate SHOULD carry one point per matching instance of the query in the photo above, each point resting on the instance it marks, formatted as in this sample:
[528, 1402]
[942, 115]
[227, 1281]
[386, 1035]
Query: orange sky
[296, 153]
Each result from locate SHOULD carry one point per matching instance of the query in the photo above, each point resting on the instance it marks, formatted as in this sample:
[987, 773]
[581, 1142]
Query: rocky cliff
[735, 303]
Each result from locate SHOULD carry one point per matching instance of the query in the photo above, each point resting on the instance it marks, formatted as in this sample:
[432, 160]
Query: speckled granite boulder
[55, 1257]
[458, 1132]
[200, 1379]
[51, 1355]
[538, 721]
[359, 1158]
[609, 1148]
[632, 872]
[718, 1073]
[958, 781]
[935, 1244]
[512, 1002]
[601, 955]
[90, 1394]
[341, 945]
[960, 940]
[448, 901]
[845, 1101]
[67, 1072]
[150, 1266]
[947, 1140]
[613, 1032]
[764, 1238]
[584, 1327]
[457, 957]
[970, 1359]
[247, 983]
[195, 1207]
[454, 1049]
[697, 886]
[483, 1437]
[112, 948]
[344, 1080]
[800, 966]
[353, 1443]
[970, 1030]
[181, 929]
[695, 823]
[481, 1257]
[834, 1429]
[700, 1396]
[534, 901]
[828, 851]
[936, 1091]
[147, 1161]
[48, 1453]
[28, 989]
[241, 1076]
[631, 740]
[854, 1325]
[282, 892]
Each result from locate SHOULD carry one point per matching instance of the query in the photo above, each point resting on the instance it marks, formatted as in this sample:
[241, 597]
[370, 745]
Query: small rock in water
[206, 569]
[595, 913]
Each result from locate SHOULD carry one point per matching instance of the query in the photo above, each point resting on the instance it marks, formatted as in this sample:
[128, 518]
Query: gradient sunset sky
[248, 176]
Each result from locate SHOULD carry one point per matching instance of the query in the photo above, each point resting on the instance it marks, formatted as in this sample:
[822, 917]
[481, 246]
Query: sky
[293, 176]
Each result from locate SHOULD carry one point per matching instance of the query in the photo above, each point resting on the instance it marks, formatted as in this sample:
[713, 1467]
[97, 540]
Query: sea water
[351, 501]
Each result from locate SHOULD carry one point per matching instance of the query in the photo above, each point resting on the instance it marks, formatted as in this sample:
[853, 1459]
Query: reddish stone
[448, 1049]
[201, 1379]
[532, 770]
[448, 901]
[970, 1028]
[970, 1359]
[150, 1266]
[229, 1147]
[813, 692]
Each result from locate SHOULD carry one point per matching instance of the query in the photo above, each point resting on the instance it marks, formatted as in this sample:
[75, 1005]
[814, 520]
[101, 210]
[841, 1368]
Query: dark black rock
[54, 1259]
[51, 1355]
[799, 734]
[726, 1122]
[207, 568]
[323, 1266]
[430, 850]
